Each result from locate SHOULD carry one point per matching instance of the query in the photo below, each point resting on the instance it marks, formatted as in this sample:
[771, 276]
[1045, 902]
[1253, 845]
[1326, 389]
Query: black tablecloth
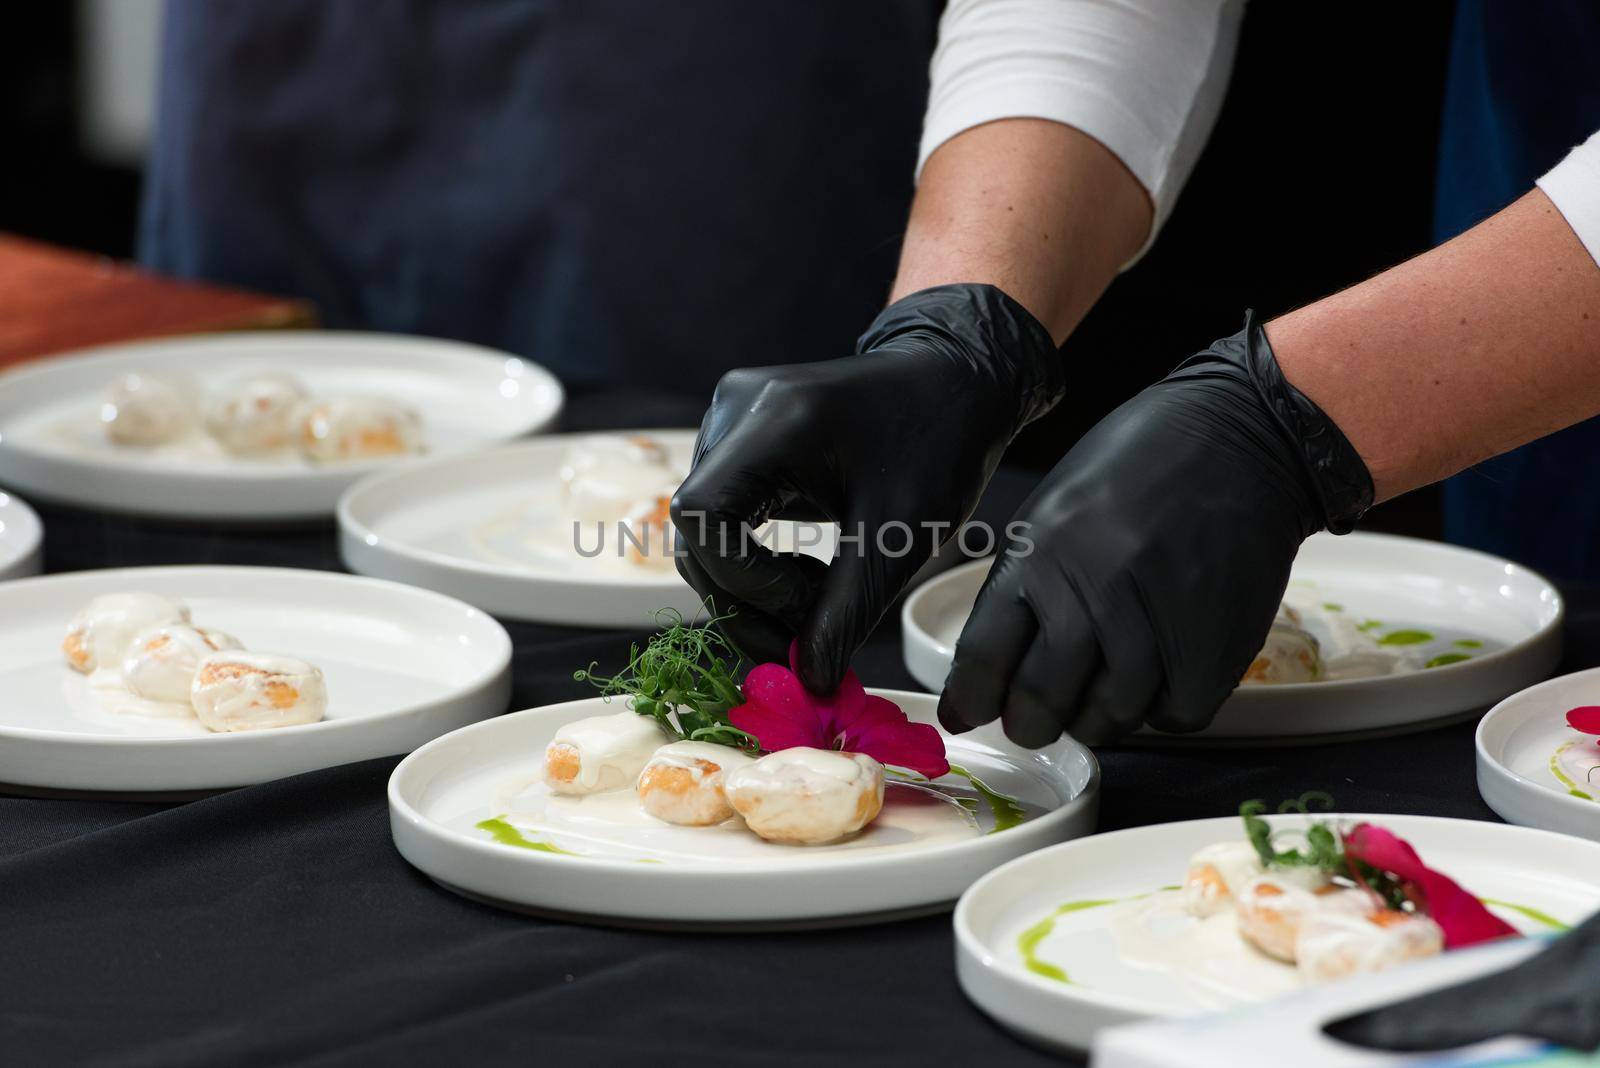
[277, 924]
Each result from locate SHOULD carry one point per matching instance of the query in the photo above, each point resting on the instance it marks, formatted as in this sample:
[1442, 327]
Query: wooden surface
[54, 299]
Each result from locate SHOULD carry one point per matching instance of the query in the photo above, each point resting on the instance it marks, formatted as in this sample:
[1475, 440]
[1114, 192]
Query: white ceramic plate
[1408, 583]
[490, 529]
[402, 666]
[1530, 763]
[21, 538]
[720, 877]
[1545, 872]
[51, 444]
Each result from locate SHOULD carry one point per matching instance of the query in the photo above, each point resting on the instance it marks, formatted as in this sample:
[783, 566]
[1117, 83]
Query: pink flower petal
[778, 711]
[1461, 916]
[841, 706]
[882, 731]
[1585, 718]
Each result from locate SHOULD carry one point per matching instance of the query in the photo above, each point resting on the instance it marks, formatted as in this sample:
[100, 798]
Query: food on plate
[683, 783]
[626, 483]
[1290, 654]
[1337, 944]
[646, 533]
[1340, 903]
[601, 753]
[804, 796]
[236, 690]
[255, 415]
[144, 655]
[1577, 759]
[161, 662]
[144, 410]
[1319, 641]
[357, 428]
[100, 634]
[763, 756]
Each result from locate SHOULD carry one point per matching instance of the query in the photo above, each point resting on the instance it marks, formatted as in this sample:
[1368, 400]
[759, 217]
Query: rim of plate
[1480, 745]
[915, 631]
[32, 532]
[443, 349]
[378, 481]
[398, 805]
[502, 661]
[967, 939]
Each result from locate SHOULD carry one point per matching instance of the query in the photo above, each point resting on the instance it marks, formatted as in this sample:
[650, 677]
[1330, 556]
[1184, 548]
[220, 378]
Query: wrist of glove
[980, 330]
[1155, 554]
[895, 444]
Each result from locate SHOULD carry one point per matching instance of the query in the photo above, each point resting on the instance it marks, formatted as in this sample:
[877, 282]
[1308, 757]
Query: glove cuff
[999, 338]
[1337, 474]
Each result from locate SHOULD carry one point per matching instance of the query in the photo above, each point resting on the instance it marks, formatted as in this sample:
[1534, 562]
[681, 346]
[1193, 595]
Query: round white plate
[402, 666]
[1548, 873]
[489, 528]
[1400, 582]
[51, 444]
[1519, 773]
[723, 877]
[21, 538]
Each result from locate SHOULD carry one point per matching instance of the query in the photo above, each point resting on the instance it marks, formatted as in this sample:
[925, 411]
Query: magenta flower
[1461, 916]
[782, 714]
[1585, 719]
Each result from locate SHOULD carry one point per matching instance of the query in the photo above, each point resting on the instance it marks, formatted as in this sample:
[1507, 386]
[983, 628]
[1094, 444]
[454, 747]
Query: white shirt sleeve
[1145, 78]
[1574, 187]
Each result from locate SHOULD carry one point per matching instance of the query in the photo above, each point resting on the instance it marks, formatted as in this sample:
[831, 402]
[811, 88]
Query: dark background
[1319, 174]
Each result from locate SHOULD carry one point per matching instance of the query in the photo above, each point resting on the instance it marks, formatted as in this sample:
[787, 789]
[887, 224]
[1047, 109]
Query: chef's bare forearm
[1038, 209]
[1480, 345]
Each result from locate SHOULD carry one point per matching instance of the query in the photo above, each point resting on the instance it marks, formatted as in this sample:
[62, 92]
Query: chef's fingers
[1118, 699]
[760, 637]
[716, 510]
[993, 642]
[1051, 678]
[874, 562]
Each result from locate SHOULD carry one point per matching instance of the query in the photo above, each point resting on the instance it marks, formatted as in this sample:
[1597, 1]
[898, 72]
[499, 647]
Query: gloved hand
[907, 431]
[1156, 555]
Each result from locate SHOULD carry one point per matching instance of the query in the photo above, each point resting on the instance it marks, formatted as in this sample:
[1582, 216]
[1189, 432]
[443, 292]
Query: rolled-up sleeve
[1574, 187]
[1145, 78]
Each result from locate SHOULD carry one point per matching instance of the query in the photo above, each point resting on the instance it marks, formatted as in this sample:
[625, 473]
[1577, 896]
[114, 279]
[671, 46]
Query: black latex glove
[907, 431]
[1554, 995]
[1160, 549]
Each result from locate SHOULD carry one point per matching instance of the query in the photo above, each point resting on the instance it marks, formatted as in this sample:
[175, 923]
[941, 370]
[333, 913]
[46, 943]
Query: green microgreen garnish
[1324, 849]
[686, 677]
[1322, 842]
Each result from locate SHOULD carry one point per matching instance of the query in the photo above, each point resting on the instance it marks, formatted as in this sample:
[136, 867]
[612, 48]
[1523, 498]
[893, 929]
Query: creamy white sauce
[249, 701]
[255, 415]
[612, 750]
[160, 662]
[109, 623]
[806, 795]
[1207, 957]
[612, 824]
[688, 755]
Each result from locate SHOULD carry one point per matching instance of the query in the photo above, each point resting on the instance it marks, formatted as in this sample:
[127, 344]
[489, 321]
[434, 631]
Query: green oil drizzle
[1446, 658]
[1330, 606]
[1369, 624]
[1007, 810]
[1028, 941]
[1561, 776]
[506, 834]
[1405, 637]
[1467, 643]
[1536, 915]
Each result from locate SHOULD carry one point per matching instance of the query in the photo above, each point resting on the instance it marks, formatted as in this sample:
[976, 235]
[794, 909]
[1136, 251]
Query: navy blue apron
[638, 194]
[1524, 87]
